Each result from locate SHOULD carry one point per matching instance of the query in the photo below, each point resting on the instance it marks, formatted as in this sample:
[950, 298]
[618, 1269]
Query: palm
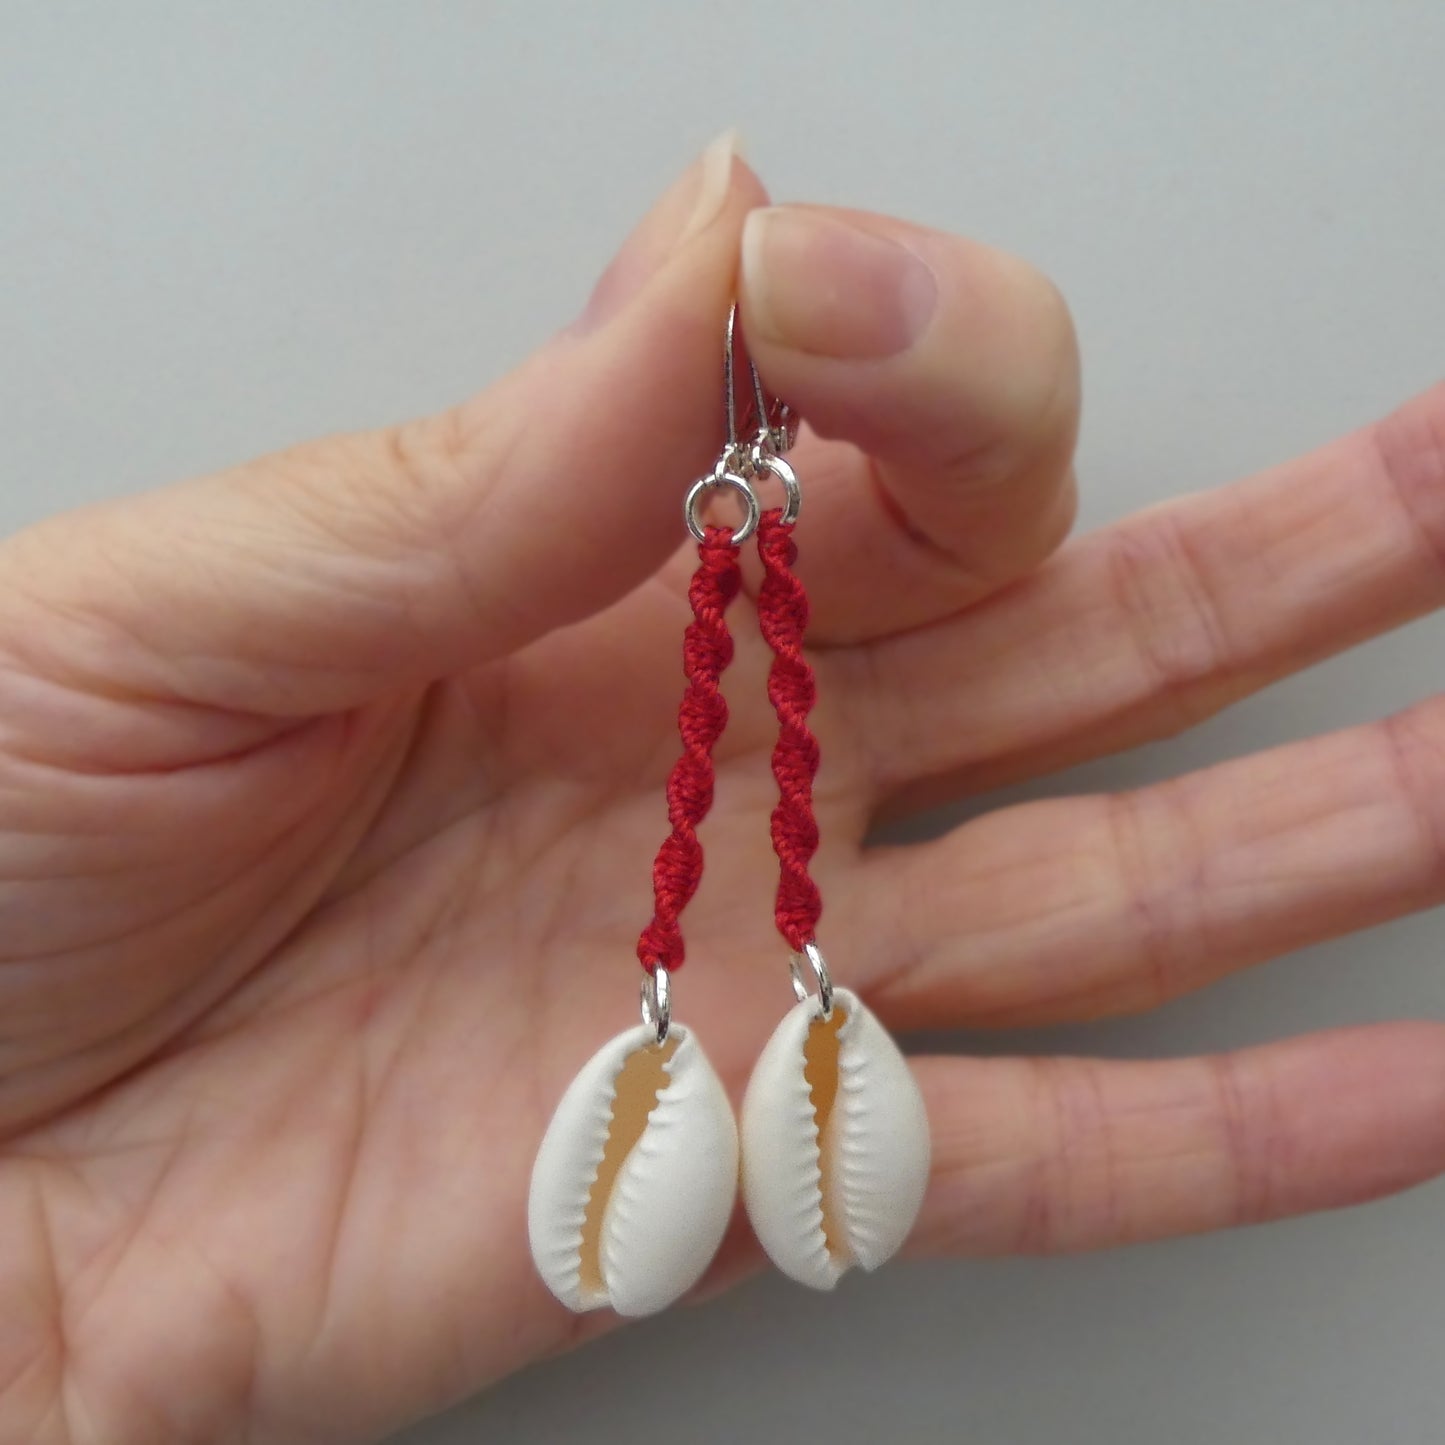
[368, 1098]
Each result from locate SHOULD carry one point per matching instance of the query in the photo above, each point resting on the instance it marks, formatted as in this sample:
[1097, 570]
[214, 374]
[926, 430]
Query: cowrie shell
[834, 1142]
[636, 1176]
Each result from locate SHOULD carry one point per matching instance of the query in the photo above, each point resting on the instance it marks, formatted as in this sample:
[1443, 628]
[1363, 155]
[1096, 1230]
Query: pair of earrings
[637, 1174]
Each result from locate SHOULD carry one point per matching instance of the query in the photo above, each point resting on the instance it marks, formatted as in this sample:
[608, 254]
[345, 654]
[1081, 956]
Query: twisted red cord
[707, 648]
[783, 617]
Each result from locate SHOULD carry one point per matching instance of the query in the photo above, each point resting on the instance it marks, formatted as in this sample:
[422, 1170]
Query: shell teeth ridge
[568, 1252]
[673, 1192]
[808, 1208]
[861, 1185]
[579, 1128]
[666, 1114]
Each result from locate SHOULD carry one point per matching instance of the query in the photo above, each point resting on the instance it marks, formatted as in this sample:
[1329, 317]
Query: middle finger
[1070, 909]
[1141, 629]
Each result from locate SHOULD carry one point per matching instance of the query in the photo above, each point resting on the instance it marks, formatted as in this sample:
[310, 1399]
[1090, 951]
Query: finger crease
[1169, 612]
[1409, 448]
[956, 570]
[1415, 796]
[1249, 1134]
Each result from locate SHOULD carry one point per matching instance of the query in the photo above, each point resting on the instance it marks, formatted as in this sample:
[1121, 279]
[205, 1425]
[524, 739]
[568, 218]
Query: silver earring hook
[774, 418]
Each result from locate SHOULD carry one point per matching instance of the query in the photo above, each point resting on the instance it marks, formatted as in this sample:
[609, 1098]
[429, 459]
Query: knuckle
[1409, 449]
[1168, 609]
[392, 491]
[1144, 843]
[1076, 1192]
[1087, 1151]
[1247, 1142]
[1414, 748]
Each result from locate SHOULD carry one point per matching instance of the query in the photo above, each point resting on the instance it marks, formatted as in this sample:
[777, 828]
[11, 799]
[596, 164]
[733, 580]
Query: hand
[331, 787]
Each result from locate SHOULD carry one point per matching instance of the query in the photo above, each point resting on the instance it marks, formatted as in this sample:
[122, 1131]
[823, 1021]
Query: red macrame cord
[783, 618]
[707, 648]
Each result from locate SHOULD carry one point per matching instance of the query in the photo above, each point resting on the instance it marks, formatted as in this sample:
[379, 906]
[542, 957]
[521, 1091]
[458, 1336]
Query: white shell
[875, 1150]
[671, 1196]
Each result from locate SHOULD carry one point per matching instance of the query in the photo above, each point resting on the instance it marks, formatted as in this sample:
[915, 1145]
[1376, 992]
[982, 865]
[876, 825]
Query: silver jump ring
[813, 956]
[738, 483]
[657, 1002]
[765, 463]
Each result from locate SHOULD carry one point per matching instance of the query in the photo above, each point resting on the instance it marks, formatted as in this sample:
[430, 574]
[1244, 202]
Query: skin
[331, 786]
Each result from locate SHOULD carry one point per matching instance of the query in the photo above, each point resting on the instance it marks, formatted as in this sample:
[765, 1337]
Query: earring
[637, 1173]
[835, 1141]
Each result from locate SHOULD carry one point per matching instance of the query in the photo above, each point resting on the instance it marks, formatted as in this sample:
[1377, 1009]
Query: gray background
[226, 228]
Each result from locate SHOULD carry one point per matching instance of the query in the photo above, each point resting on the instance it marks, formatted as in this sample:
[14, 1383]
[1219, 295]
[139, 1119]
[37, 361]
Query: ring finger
[1074, 908]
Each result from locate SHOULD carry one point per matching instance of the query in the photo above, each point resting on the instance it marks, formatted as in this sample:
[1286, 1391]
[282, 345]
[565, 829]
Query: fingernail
[825, 286]
[686, 209]
[709, 180]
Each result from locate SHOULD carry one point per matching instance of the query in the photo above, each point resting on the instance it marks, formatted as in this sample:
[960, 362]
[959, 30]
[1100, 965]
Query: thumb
[312, 580]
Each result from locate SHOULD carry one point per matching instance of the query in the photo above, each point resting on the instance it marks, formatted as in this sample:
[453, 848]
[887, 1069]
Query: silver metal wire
[812, 955]
[760, 400]
[766, 463]
[657, 1002]
[776, 427]
[735, 481]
